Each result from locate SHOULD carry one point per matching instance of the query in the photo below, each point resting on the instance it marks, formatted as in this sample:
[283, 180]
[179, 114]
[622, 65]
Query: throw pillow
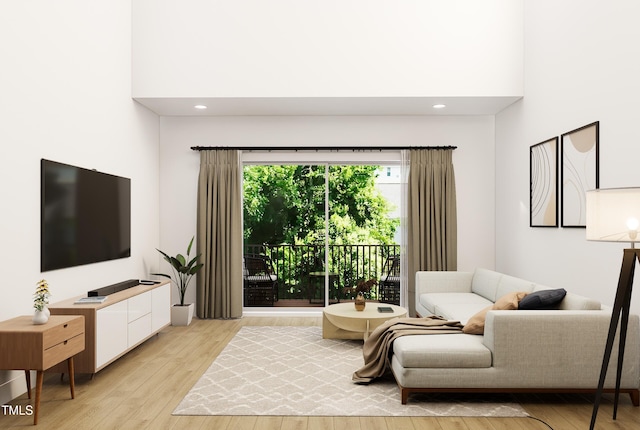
[543, 299]
[508, 302]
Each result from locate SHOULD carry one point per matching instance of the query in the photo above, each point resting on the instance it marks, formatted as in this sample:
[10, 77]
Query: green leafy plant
[183, 269]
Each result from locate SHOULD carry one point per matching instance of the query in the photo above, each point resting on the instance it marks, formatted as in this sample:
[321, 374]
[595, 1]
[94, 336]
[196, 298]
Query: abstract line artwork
[580, 172]
[543, 168]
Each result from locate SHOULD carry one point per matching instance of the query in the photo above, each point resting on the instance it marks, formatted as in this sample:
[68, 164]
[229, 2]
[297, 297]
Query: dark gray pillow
[543, 299]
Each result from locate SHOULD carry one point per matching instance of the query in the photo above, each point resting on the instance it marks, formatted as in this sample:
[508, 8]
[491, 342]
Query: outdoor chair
[390, 281]
[260, 283]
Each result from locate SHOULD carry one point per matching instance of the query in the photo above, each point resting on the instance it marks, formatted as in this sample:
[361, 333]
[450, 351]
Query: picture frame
[543, 174]
[580, 161]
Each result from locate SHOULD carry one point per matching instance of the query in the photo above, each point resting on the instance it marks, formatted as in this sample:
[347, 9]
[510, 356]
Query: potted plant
[183, 270]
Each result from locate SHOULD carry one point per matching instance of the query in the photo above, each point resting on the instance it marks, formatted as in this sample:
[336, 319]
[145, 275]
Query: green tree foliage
[284, 204]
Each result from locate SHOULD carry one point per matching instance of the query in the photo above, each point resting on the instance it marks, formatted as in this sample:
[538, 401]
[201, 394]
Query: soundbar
[114, 288]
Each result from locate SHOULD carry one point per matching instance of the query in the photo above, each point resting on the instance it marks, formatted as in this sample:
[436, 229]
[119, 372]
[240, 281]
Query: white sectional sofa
[549, 350]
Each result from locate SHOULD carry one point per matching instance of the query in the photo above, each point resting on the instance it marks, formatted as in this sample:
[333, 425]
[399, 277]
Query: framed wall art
[543, 173]
[580, 172]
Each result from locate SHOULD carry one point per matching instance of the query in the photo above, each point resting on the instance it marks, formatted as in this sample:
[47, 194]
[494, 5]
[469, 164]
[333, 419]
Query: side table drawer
[63, 332]
[62, 351]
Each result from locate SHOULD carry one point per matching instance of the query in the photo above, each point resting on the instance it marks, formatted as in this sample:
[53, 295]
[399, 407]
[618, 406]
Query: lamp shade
[613, 215]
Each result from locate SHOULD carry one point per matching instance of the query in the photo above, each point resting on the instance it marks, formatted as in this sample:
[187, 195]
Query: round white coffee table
[343, 321]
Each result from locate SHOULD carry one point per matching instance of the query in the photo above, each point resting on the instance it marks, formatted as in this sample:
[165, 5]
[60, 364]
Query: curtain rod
[321, 148]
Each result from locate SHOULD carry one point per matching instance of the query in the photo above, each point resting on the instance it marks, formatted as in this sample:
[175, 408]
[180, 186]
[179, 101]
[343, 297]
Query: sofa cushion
[509, 301]
[543, 299]
[485, 283]
[510, 284]
[460, 312]
[579, 303]
[441, 350]
[432, 301]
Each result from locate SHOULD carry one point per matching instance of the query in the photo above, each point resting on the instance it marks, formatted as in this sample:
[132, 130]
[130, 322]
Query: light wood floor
[141, 389]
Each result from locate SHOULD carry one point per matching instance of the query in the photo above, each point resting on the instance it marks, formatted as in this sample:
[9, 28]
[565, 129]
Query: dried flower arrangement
[41, 296]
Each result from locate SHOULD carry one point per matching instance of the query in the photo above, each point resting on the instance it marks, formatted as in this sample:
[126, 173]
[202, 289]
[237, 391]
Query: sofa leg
[635, 397]
[404, 394]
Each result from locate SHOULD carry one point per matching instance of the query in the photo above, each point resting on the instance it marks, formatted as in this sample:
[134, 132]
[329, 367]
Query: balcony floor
[304, 303]
[296, 303]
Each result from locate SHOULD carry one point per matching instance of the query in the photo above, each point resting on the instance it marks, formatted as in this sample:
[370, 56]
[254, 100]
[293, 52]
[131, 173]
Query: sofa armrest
[545, 341]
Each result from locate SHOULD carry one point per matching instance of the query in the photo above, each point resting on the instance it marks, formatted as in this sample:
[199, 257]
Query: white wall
[473, 162]
[65, 86]
[328, 48]
[581, 65]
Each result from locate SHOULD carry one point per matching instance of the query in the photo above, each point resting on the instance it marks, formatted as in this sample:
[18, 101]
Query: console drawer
[138, 330]
[138, 306]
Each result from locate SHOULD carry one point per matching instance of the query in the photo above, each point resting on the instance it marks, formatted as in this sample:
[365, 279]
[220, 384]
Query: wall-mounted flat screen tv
[85, 216]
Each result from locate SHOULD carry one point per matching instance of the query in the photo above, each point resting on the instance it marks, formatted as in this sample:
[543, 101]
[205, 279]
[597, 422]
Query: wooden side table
[25, 346]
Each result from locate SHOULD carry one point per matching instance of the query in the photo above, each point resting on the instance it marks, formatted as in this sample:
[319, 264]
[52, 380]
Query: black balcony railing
[301, 270]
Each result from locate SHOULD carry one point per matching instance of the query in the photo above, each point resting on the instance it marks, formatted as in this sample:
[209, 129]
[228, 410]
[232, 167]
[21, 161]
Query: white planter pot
[181, 315]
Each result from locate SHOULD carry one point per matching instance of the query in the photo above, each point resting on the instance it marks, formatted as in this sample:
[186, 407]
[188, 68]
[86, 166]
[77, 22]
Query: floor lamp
[613, 215]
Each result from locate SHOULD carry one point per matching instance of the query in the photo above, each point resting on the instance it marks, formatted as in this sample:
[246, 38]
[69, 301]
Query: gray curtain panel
[219, 233]
[431, 216]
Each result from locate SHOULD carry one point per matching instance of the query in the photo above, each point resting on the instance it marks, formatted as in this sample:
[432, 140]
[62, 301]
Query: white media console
[120, 323]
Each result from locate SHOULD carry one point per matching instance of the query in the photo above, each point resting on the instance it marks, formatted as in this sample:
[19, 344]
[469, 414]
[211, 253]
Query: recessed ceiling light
[439, 106]
[201, 107]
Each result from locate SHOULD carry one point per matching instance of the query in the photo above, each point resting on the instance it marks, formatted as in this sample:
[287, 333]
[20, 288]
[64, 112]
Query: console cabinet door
[139, 318]
[160, 307]
[111, 332]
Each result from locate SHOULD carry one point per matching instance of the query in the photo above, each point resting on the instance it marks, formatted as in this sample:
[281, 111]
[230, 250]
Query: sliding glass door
[319, 232]
[285, 225]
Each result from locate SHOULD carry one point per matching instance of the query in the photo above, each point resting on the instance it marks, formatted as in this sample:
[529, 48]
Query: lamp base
[619, 314]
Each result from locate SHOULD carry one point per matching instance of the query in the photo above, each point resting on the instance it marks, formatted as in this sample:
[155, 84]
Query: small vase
[40, 317]
[360, 302]
[47, 312]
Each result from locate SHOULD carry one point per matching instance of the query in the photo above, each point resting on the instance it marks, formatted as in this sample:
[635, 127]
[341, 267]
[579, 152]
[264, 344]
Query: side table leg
[39, 378]
[72, 383]
[27, 375]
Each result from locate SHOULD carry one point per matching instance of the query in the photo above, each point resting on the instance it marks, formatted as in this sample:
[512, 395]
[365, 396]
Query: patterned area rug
[294, 371]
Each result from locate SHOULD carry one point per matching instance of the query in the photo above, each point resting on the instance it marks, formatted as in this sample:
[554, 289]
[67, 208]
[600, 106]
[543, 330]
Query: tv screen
[85, 216]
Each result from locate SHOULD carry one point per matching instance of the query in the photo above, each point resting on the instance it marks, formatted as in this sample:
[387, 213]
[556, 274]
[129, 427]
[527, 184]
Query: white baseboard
[12, 384]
